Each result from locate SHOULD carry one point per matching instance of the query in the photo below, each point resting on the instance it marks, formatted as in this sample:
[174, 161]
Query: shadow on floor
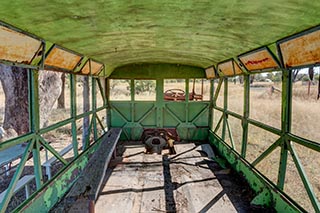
[233, 185]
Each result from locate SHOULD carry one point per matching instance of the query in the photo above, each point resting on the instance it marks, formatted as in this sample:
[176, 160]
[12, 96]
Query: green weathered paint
[52, 191]
[146, 71]
[180, 32]
[37, 163]
[225, 107]
[313, 198]
[189, 118]
[246, 110]
[158, 40]
[94, 107]
[259, 183]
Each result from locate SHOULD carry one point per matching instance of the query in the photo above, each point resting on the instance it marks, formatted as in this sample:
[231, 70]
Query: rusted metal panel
[96, 67]
[229, 68]
[210, 73]
[61, 58]
[258, 60]
[302, 50]
[17, 47]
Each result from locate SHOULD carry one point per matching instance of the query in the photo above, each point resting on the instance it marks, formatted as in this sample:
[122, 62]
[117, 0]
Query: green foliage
[305, 78]
[275, 76]
[259, 77]
[144, 86]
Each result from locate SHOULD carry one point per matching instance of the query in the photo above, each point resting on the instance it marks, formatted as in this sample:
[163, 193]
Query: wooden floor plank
[185, 182]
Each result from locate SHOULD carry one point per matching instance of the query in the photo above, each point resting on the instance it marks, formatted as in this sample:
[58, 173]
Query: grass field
[265, 107]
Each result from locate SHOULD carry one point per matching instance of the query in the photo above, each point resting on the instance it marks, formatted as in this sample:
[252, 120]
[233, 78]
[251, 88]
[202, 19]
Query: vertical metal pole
[286, 101]
[246, 111]
[285, 124]
[282, 165]
[187, 104]
[94, 107]
[37, 164]
[202, 89]
[132, 92]
[86, 108]
[132, 107]
[107, 104]
[35, 122]
[73, 111]
[225, 108]
[160, 104]
[211, 114]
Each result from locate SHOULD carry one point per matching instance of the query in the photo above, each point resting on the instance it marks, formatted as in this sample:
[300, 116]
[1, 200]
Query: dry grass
[266, 108]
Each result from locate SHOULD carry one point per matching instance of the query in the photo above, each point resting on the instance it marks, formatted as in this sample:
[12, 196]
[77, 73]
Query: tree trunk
[50, 85]
[251, 79]
[14, 82]
[61, 100]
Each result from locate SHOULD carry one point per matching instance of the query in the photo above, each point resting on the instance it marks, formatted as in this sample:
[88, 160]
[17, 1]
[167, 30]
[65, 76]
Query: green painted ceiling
[198, 33]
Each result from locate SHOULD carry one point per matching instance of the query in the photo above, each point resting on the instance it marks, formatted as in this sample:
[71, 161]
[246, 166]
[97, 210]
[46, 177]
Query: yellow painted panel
[237, 69]
[303, 50]
[226, 68]
[210, 73]
[17, 47]
[95, 68]
[229, 68]
[258, 60]
[62, 59]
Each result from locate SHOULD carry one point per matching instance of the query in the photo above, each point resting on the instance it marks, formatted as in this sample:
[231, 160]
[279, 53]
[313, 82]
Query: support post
[286, 110]
[108, 106]
[225, 108]
[160, 100]
[94, 107]
[34, 122]
[86, 108]
[211, 114]
[246, 110]
[73, 111]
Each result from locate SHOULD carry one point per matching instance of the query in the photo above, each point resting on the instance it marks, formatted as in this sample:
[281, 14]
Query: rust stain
[259, 61]
[303, 50]
[62, 59]
[17, 47]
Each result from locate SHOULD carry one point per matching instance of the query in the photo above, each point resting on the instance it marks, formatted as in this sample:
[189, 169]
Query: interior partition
[160, 96]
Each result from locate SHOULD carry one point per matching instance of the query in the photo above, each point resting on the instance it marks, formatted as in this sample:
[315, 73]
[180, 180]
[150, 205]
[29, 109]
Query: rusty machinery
[156, 140]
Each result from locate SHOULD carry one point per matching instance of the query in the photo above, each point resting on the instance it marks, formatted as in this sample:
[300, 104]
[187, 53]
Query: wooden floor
[185, 182]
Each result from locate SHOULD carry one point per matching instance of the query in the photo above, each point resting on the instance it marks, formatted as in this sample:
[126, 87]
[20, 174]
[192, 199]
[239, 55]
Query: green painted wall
[158, 71]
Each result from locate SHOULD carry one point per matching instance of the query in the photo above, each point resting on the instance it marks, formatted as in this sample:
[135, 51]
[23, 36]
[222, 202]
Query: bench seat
[53, 159]
[23, 182]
